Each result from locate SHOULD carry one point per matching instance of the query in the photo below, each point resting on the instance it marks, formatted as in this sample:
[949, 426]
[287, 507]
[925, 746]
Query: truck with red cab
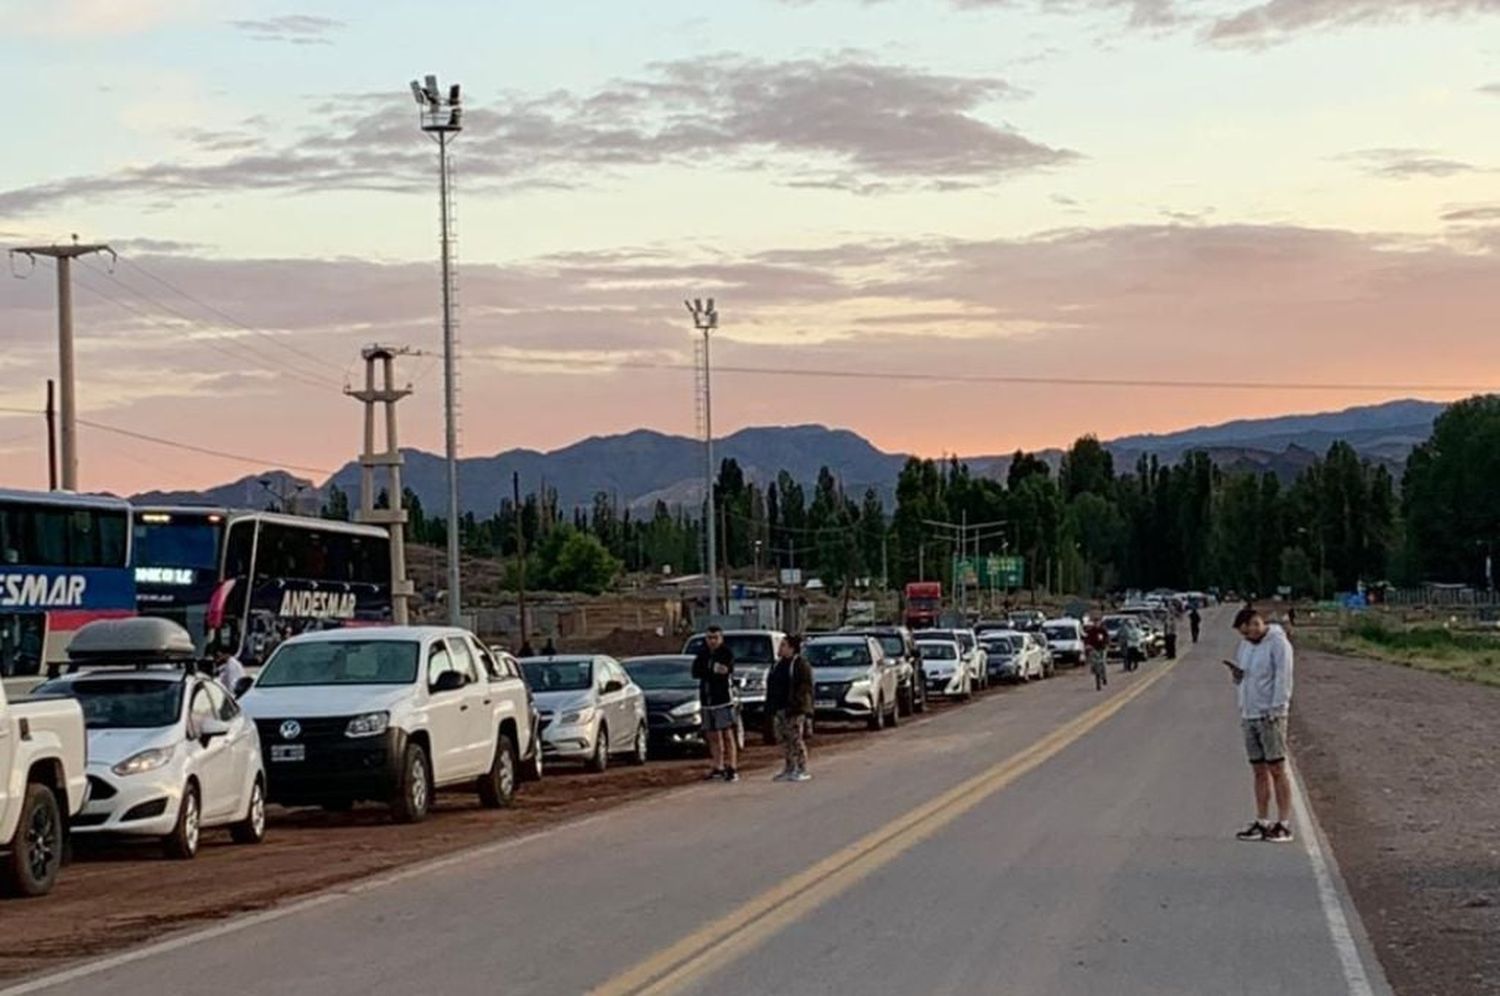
[924, 604]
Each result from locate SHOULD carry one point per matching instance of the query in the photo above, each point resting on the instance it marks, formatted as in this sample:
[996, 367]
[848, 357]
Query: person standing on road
[789, 697]
[1262, 670]
[1169, 634]
[1134, 640]
[228, 671]
[713, 666]
[527, 650]
[549, 649]
[1195, 622]
[1096, 644]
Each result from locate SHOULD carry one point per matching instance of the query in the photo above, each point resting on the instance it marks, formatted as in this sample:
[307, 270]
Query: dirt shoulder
[1403, 768]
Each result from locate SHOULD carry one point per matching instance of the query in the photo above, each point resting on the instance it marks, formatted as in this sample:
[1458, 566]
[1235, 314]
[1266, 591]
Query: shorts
[719, 717]
[1265, 739]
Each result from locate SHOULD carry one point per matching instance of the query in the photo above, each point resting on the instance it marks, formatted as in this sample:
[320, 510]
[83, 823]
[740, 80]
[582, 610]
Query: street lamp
[705, 320]
[441, 116]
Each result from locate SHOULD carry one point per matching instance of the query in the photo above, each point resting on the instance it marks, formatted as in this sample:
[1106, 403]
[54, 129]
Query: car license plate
[826, 703]
[288, 752]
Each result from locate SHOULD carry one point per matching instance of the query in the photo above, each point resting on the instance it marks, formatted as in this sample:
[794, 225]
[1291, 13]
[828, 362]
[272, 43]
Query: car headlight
[146, 760]
[859, 685]
[371, 724]
[577, 718]
[690, 708]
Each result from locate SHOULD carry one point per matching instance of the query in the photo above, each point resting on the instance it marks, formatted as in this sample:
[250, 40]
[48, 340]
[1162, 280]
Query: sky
[1247, 208]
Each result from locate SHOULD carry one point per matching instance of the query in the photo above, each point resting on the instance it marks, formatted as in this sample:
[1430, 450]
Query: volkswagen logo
[291, 730]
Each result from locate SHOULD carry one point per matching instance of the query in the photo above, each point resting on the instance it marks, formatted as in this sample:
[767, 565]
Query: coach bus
[64, 561]
[270, 576]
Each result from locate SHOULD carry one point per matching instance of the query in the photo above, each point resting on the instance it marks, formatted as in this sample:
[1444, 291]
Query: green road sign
[993, 571]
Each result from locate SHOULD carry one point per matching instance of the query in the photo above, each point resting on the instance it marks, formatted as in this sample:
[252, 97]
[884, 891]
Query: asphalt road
[1050, 840]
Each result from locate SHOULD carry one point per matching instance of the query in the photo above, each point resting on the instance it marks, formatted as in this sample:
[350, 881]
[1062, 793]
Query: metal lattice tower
[372, 460]
[705, 320]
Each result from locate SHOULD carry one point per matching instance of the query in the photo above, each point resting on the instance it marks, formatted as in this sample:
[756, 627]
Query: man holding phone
[713, 666]
[1262, 672]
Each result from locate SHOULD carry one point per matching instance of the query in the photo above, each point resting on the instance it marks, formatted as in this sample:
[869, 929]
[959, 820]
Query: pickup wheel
[29, 867]
[413, 796]
[894, 719]
[182, 843]
[877, 714]
[598, 762]
[252, 829]
[905, 700]
[497, 787]
[642, 746]
[531, 771]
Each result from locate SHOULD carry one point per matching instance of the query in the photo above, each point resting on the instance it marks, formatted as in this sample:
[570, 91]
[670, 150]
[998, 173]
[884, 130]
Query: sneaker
[1255, 831]
[730, 775]
[714, 775]
[785, 776]
[1280, 834]
[801, 776]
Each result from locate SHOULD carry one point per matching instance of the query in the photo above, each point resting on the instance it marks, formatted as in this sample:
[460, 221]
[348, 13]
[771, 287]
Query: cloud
[88, 18]
[1473, 212]
[1277, 20]
[1407, 164]
[842, 121]
[296, 29]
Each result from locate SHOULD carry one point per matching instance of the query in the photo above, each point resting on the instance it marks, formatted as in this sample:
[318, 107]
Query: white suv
[390, 714]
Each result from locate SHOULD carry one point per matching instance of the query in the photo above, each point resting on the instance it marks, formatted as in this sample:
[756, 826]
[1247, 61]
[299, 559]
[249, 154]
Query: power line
[206, 451]
[1046, 381]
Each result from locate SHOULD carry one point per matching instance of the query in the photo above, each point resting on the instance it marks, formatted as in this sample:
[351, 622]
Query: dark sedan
[674, 714]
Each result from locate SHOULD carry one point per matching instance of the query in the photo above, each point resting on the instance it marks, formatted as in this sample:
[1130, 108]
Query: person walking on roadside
[789, 698]
[549, 649]
[713, 666]
[1133, 638]
[527, 650]
[1262, 671]
[1195, 622]
[1169, 634]
[1096, 645]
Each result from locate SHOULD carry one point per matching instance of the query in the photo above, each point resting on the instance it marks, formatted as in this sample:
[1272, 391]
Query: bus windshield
[180, 542]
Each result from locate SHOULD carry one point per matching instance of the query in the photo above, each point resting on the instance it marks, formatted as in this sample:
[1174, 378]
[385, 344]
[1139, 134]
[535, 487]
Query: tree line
[1086, 527]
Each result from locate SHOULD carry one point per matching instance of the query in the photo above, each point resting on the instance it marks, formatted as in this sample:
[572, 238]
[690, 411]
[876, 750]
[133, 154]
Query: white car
[948, 673]
[170, 754]
[43, 785]
[1065, 640]
[974, 654]
[1015, 656]
[853, 679]
[390, 714]
[590, 709]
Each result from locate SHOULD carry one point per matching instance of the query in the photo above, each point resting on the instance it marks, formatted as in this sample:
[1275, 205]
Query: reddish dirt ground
[116, 896]
[1403, 768]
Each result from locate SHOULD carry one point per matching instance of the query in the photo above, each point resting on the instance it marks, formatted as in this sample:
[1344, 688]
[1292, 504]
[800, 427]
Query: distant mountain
[639, 468]
[273, 488]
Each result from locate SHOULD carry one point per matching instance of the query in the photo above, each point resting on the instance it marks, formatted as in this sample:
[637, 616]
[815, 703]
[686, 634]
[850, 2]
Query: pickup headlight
[690, 708]
[371, 724]
[146, 760]
[577, 717]
[859, 685]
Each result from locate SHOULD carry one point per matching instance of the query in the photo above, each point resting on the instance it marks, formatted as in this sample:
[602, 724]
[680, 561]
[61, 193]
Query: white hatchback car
[170, 754]
[948, 673]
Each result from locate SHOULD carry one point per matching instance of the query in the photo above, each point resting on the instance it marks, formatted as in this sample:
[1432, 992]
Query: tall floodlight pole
[705, 320]
[441, 117]
[64, 255]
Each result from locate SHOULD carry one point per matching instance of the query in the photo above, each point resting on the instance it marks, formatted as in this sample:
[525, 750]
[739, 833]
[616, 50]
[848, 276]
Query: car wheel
[877, 714]
[642, 746]
[968, 689]
[905, 701]
[531, 770]
[29, 866]
[413, 797]
[919, 697]
[182, 843]
[894, 719]
[252, 829]
[598, 761]
[497, 787]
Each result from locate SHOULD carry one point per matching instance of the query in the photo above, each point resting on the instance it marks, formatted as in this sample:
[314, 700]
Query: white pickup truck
[43, 784]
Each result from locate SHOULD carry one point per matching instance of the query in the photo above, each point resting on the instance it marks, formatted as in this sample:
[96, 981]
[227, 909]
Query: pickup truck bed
[43, 784]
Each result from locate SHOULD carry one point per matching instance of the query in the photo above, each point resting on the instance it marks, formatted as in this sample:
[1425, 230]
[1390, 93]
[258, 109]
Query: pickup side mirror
[448, 681]
[613, 685]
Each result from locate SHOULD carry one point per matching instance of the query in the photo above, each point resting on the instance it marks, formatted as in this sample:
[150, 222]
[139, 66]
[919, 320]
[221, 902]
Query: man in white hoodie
[1262, 671]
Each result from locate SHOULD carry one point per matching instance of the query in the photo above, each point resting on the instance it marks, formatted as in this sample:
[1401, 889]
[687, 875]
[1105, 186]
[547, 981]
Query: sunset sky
[1299, 192]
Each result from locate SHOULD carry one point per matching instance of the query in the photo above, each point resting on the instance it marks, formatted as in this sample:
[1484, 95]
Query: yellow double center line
[732, 936]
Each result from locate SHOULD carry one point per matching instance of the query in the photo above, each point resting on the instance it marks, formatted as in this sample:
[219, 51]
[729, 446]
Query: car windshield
[661, 672]
[837, 654]
[341, 662]
[938, 651]
[120, 703]
[1061, 633]
[892, 644]
[1004, 644]
[747, 648]
[559, 676]
[965, 640]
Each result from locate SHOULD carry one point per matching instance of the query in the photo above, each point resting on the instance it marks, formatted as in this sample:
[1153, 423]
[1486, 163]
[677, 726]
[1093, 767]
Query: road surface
[1051, 841]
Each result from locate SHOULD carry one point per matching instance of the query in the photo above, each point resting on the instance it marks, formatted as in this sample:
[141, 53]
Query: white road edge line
[1351, 942]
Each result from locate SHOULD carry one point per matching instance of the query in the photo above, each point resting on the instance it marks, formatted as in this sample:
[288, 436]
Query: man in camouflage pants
[789, 697]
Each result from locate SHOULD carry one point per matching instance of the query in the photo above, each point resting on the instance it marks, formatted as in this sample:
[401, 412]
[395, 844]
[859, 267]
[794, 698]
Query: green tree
[336, 505]
[572, 560]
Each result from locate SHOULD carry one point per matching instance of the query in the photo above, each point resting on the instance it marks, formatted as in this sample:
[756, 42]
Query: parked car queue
[396, 715]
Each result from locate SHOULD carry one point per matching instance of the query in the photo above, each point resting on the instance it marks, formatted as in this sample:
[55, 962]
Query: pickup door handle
[487, 701]
[464, 707]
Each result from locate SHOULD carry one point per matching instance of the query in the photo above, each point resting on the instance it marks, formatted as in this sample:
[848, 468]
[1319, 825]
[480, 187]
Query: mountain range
[641, 467]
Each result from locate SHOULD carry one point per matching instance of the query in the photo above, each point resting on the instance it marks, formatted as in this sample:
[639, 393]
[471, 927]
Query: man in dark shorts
[713, 667]
[1262, 671]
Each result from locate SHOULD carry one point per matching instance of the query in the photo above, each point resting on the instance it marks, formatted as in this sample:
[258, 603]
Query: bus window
[238, 549]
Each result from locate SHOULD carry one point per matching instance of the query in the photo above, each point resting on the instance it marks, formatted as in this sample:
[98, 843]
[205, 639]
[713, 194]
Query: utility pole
[51, 436]
[961, 535]
[705, 320]
[64, 256]
[370, 460]
[515, 487]
[442, 118]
